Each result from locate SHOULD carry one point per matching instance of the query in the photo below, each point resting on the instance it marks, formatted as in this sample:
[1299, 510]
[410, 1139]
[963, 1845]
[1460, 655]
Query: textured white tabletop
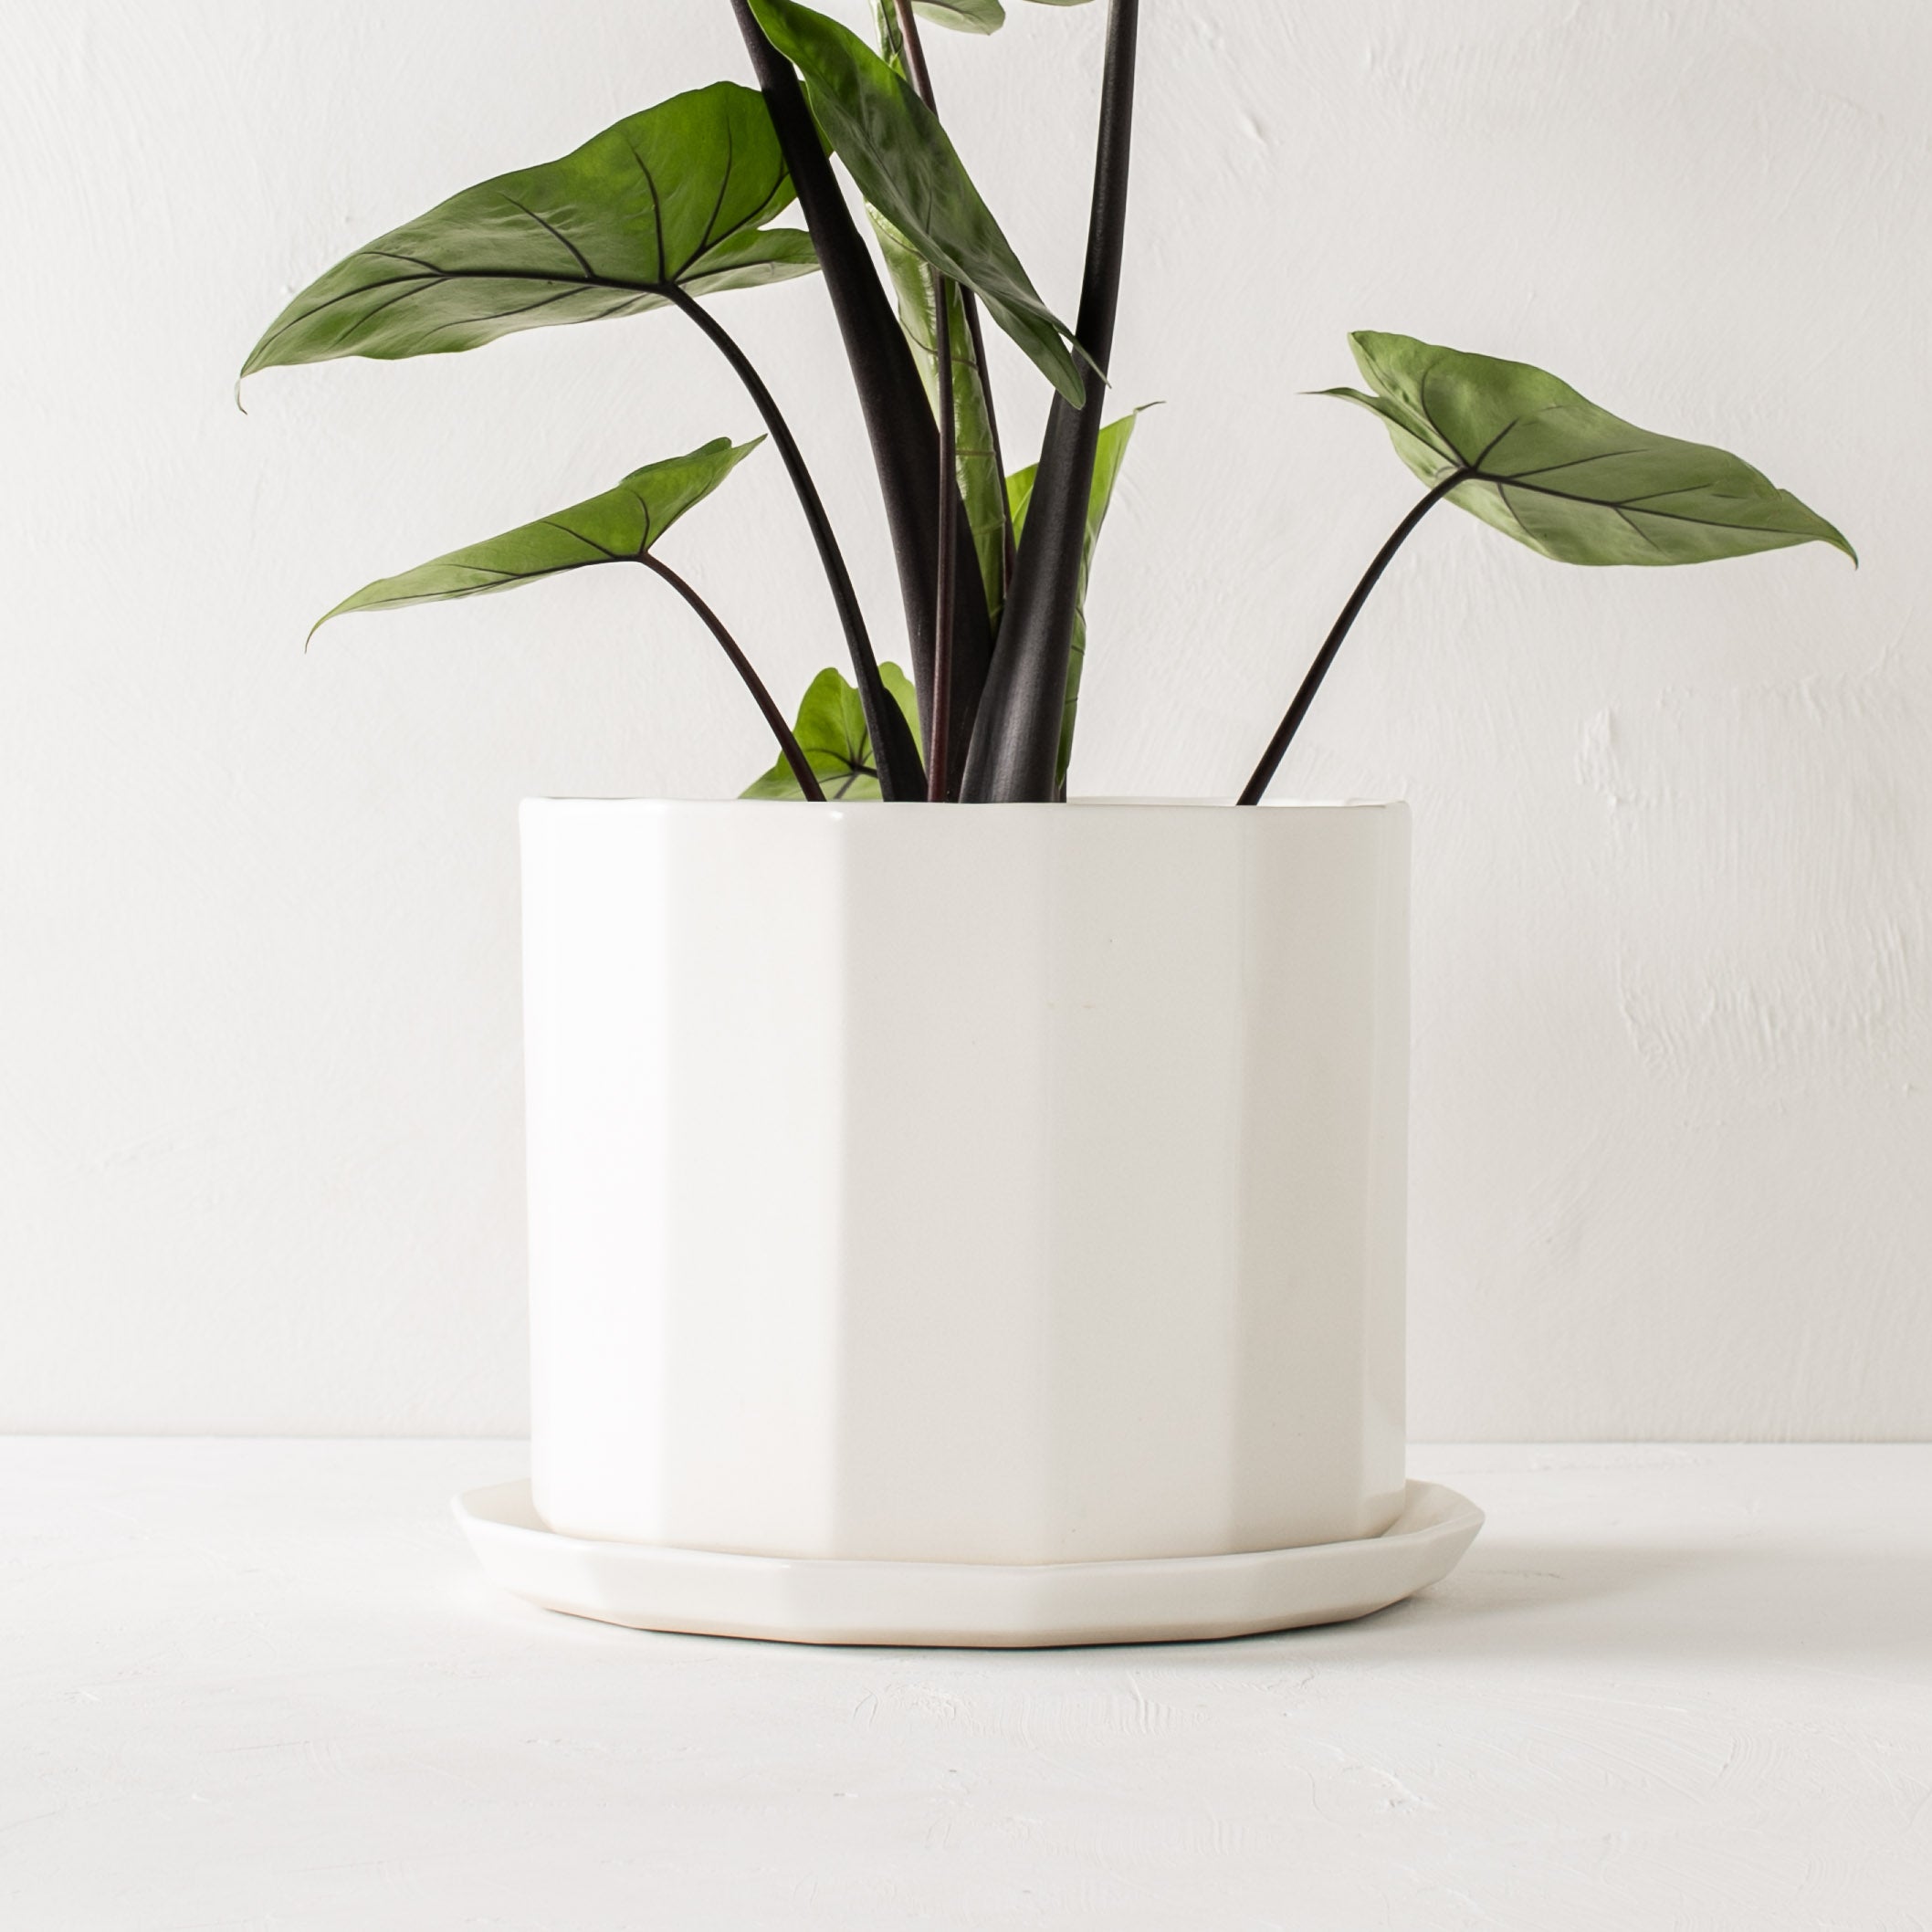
[259, 1686]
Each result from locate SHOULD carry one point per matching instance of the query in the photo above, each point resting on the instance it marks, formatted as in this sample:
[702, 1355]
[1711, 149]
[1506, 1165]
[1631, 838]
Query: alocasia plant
[680, 202]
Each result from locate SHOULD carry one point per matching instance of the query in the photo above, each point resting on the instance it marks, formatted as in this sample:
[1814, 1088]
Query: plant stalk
[912, 51]
[1015, 748]
[912, 48]
[898, 419]
[1284, 733]
[969, 306]
[851, 617]
[939, 763]
[939, 732]
[787, 742]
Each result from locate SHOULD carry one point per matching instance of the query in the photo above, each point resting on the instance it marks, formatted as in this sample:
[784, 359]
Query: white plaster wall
[259, 1153]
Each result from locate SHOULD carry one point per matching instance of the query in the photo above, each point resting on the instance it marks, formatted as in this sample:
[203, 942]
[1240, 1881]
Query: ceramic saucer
[999, 1605]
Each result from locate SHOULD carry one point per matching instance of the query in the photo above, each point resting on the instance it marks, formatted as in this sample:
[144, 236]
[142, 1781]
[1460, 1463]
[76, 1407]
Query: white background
[260, 1137]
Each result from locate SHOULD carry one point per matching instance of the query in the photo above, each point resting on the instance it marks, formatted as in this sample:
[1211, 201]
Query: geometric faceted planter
[1010, 1186]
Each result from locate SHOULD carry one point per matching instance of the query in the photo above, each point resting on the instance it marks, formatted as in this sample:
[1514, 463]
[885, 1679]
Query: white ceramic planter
[1004, 1185]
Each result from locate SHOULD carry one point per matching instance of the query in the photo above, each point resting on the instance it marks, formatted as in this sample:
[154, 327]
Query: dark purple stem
[787, 744]
[892, 396]
[939, 728]
[1015, 746]
[969, 305]
[851, 617]
[1284, 733]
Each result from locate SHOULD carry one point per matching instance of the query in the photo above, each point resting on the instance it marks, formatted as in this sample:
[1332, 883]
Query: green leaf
[617, 527]
[1564, 476]
[966, 16]
[674, 196]
[895, 149]
[1109, 455]
[831, 730]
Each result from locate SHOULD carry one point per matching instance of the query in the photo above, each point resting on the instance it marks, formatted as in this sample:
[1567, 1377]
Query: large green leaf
[674, 196]
[896, 149]
[831, 730]
[617, 527]
[1553, 470]
[1108, 456]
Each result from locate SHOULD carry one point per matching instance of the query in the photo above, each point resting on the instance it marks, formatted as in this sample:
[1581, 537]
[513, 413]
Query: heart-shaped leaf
[1550, 468]
[895, 149]
[676, 196]
[1108, 456]
[618, 527]
[831, 732]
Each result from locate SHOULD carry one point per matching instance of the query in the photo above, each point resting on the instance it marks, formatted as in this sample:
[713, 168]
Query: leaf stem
[898, 419]
[969, 302]
[939, 773]
[938, 726]
[787, 744]
[1278, 745]
[851, 617]
[912, 51]
[1016, 749]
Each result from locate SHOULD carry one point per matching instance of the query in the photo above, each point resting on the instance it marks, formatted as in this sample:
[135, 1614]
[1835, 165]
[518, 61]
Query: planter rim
[838, 808]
